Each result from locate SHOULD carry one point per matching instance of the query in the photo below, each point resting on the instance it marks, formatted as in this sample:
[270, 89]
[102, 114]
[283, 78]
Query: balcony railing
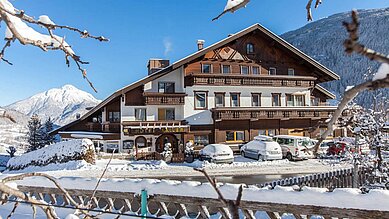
[164, 98]
[111, 127]
[249, 80]
[272, 113]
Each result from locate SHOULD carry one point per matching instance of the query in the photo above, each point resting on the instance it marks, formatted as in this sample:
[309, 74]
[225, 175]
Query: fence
[342, 178]
[193, 207]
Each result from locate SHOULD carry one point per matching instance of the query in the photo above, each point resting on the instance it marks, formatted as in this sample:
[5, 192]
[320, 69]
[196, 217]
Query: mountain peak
[69, 87]
[60, 104]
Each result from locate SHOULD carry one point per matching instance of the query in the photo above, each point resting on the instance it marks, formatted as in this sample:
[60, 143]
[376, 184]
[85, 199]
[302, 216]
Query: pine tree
[46, 129]
[34, 134]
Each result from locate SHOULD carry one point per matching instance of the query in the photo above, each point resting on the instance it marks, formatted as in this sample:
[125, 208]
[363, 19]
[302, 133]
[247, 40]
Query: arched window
[249, 48]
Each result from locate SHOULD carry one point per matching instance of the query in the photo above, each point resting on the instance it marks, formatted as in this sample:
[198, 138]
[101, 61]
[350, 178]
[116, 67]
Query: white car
[262, 148]
[217, 153]
[295, 147]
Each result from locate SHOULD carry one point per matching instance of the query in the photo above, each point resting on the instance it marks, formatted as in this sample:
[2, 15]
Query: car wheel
[289, 156]
[242, 153]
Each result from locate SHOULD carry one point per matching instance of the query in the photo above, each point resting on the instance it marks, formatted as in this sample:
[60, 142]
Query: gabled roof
[325, 91]
[202, 52]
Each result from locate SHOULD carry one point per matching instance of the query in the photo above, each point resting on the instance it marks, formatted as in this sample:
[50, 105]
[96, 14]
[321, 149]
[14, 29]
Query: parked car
[262, 148]
[295, 147]
[339, 148]
[217, 153]
[323, 149]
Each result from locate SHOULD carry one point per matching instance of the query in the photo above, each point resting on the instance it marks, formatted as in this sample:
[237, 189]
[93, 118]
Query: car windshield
[305, 142]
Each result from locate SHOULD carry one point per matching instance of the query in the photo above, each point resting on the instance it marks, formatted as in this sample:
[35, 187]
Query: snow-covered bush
[167, 153]
[61, 152]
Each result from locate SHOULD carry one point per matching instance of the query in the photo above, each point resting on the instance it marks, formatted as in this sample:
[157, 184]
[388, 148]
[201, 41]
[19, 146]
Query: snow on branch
[309, 6]
[378, 82]
[17, 28]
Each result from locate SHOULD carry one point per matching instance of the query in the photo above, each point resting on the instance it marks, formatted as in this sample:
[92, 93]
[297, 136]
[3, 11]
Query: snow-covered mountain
[323, 40]
[62, 105]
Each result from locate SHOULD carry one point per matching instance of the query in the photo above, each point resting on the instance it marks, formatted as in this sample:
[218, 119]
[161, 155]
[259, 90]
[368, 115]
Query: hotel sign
[155, 131]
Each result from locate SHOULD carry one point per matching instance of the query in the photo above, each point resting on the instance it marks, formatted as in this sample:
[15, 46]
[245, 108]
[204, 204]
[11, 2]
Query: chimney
[155, 65]
[200, 44]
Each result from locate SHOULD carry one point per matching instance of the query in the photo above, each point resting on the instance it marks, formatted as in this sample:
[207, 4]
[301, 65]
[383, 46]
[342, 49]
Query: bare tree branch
[98, 182]
[52, 179]
[2, 52]
[352, 45]
[59, 43]
[309, 6]
[233, 206]
[49, 211]
[13, 210]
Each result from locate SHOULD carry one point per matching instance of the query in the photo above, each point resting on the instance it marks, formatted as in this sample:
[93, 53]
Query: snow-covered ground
[159, 169]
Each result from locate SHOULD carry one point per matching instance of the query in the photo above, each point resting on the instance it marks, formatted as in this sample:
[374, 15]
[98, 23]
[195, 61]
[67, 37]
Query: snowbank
[339, 198]
[61, 152]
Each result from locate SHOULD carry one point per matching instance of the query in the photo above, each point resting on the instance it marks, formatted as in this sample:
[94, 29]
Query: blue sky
[139, 30]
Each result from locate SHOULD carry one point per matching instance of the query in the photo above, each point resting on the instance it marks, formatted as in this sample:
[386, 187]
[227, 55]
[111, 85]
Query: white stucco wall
[174, 76]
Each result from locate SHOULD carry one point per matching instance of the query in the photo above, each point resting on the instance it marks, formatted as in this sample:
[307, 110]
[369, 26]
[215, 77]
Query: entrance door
[166, 138]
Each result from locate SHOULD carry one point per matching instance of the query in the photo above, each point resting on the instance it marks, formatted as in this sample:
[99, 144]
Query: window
[244, 70]
[166, 114]
[128, 145]
[226, 69]
[140, 114]
[235, 102]
[255, 100]
[206, 68]
[114, 116]
[276, 99]
[295, 100]
[200, 99]
[272, 71]
[291, 71]
[166, 87]
[201, 139]
[289, 100]
[249, 48]
[256, 70]
[219, 99]
[234, 136]
[299, 100]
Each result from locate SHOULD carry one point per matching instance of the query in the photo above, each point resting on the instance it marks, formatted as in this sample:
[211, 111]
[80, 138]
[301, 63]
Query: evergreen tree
[34, 134]
[46, 129]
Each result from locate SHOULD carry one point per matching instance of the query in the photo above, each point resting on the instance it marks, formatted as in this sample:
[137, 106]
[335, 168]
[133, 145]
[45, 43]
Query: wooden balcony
[272, 113]
[154, 127]
[249, 80]
[94, 127]
[111, 127]
[164, 98]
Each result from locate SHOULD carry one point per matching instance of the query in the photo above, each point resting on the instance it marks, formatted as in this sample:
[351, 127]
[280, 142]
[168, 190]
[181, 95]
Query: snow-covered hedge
[61, 152]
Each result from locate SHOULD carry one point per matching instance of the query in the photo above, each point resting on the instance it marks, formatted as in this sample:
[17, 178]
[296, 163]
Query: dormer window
[256, 70]
[244, 70]
[206, 68]
[291, 71]
[226, 69]
[249, 48]
[272, 71]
